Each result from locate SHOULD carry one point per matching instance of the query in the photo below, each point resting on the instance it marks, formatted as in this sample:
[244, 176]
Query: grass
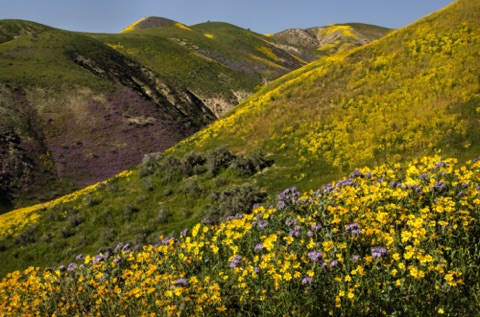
[385, 241]
[413, 93]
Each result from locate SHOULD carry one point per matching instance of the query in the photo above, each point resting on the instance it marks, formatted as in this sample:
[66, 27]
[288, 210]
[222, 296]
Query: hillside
[311, 43]
[75, 111]
[414, 92]
[79, 108]
[148, 23]
[232, 62]
[399, 241]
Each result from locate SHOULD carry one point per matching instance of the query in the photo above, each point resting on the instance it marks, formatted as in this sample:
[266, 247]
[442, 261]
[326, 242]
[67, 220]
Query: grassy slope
[219, 62]
[399, 241]
[410, 94]
[71, 116]
[226, 58]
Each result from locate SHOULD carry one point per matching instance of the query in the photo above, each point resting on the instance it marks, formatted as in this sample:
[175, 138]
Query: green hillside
[75, 111]
[399, 241]
[79, 108]
[414, 92]
[230, 61]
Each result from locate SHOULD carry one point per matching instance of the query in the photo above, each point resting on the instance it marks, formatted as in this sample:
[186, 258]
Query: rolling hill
[311, 43]
[79, 108]
[75, 110]
[413, 93]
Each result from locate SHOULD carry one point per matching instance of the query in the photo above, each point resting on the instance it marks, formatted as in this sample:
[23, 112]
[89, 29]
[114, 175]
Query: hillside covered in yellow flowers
[398, 236]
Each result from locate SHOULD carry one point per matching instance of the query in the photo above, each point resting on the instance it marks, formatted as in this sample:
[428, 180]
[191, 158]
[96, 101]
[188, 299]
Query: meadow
[395, 240]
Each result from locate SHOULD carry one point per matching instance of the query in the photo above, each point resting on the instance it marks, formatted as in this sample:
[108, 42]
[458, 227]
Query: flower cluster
[369, 247]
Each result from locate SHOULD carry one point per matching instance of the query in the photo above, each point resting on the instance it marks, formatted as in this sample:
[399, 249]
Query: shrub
[250, 165]
[217, 159]
[170, 169]
[29, 235]
[162, 215]
[192, 188]
[149, 164]
[75, 219]
[129, 210]
[232, 201]
[193, 163]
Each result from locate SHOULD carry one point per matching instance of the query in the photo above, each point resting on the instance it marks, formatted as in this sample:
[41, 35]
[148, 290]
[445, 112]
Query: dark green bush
[250, 165]
[193, 163]
[192, 188]
[170, 169]
[217, 159]
[235, 200]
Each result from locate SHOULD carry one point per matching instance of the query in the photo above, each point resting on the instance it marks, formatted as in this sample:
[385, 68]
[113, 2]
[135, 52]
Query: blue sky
[263, 16]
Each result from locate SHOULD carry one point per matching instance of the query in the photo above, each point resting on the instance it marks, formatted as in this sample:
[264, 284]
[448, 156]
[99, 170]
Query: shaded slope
[79, 111]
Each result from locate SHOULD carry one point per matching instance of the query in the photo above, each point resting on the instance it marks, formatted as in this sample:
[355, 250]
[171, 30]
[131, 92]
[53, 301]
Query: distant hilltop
[149, 22]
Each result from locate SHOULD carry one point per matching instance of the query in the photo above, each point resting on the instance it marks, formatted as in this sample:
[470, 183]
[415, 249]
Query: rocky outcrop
[178, 103]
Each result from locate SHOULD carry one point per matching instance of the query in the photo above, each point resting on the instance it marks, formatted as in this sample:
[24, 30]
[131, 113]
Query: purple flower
[168, 239]
[315, 256]
[424, 177]
[259, 216]
[345, 182]
[287, 198]
[259, 247]
[80, 257]
[327, 188]
[184, 233]
[256, 269]
[71, 267]
[333, 263]
[307, 280]
[461, 194]
[262, 224]
[106, 255]
[290, 221]
[295, 232]
[310, 233]
[440, 164]
[438, 186]
[117, 260]
[236, 261]
[119, 247]
[378, 252]
[395, 184]
[181, 282]
[355, 258]
[356, 173]
[97, 259]
[353, 228]
[368, 175]
[61, 268]
[316, 227]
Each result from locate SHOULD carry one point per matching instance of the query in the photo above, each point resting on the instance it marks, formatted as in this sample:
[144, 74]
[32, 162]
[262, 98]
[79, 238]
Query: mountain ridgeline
[79, 108]
[414, 92]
